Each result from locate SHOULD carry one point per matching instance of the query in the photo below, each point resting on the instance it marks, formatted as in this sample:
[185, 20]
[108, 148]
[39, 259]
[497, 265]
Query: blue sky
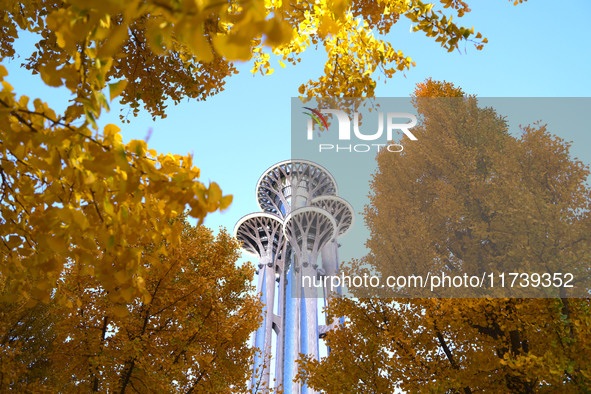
[536, 49]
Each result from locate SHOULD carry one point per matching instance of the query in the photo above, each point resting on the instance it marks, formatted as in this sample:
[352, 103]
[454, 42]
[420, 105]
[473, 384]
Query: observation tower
[295, 239]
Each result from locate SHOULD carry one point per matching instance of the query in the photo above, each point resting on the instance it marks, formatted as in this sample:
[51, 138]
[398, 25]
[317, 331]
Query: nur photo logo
[389, 126]
[318, 118]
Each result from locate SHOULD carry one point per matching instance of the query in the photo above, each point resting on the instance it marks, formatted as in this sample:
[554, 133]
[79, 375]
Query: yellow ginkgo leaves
[70, 196]
[174, 50]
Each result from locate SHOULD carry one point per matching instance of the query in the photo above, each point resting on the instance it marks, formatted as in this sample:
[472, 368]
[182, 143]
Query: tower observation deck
[294, 237]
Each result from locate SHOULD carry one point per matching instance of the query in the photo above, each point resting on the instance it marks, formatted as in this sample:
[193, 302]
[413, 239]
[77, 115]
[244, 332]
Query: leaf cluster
[169, 50]
[71, 196]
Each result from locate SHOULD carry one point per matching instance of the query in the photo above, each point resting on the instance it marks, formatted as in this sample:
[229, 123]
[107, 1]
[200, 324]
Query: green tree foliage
[468, 197]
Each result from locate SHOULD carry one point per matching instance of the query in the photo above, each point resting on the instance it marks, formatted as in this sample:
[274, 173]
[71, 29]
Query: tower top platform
[292, 184]
[260, 233]
[340, 209]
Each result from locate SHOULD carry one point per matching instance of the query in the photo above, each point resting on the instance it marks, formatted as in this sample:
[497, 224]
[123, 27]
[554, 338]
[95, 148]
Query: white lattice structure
[261, 235]
[344, 216]
[302, 219]
[292, 184]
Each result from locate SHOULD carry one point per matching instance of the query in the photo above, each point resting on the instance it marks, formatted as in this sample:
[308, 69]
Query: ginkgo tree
[468, 195]
[188, 333]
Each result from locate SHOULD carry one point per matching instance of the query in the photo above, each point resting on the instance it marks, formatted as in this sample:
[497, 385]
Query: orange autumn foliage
[188, 334]
[470, 195]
